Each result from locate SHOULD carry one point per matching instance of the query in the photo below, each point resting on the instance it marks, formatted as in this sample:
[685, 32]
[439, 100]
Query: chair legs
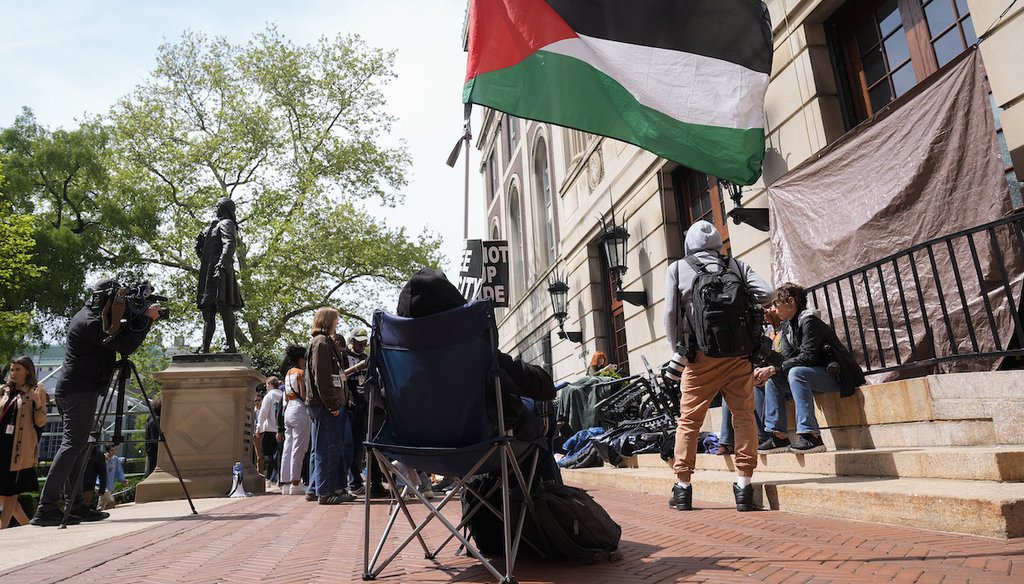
[512, 525]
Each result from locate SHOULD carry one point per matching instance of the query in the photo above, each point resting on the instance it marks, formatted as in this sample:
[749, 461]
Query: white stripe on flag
[687, 87]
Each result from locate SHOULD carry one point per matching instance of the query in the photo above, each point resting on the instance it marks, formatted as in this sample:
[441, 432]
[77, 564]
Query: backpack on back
[725, 321]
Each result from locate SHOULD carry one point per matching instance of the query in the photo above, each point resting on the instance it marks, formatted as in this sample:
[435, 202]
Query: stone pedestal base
[207, 417]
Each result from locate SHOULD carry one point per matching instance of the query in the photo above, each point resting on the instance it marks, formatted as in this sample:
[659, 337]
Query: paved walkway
[285, 539]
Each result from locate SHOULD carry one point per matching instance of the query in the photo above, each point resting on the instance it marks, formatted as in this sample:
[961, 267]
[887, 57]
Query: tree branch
[111, 256]
[174, 190]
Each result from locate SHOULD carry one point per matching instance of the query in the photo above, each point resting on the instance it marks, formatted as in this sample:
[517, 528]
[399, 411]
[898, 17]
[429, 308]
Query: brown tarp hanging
[926, 167]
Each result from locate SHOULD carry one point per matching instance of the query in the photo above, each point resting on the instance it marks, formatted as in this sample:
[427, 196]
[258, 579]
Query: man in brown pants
[704, 377]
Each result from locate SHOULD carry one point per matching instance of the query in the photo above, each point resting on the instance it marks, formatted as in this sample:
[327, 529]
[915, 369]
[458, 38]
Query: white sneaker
[286, 489]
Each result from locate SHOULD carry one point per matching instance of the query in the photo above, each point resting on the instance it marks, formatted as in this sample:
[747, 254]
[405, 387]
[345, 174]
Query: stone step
[911, 434]
[978, 463]
[966, 432]
[983, 508]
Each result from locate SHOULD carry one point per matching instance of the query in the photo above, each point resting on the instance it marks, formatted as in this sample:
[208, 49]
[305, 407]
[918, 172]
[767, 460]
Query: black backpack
[573, 525]
[725, 322]
[566, 522]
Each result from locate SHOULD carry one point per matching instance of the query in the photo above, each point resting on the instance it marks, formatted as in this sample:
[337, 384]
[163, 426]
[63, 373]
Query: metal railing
[937, 305]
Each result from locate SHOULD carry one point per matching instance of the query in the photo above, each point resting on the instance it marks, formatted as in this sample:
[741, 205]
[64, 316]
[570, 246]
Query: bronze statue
[218, 286]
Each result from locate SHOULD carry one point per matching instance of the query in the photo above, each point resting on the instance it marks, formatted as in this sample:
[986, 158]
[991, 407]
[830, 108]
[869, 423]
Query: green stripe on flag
[562, 90]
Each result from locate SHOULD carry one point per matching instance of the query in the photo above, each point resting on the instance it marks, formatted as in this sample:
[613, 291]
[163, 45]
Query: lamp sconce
[756, 218]
[559, 292]
[615, 240]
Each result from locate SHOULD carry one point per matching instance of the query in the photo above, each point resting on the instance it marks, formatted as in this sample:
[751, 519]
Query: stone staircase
[943, 452]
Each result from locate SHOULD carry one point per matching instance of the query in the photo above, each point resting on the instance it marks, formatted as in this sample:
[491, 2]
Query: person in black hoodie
[811, 349]
[429, 292]
[89, 361]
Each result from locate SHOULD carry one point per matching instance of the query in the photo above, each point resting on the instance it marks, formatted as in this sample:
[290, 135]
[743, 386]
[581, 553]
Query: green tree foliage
[295, 136]
[16, 271]
[58, 184]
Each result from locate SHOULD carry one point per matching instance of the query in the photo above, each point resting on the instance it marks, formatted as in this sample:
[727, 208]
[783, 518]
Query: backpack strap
[697, 267]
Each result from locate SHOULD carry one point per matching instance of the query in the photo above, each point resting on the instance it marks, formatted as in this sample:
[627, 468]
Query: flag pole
[453, 158]
[465, 211]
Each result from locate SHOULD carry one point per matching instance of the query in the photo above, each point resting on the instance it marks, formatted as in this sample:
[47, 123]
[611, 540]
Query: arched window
[516, 244]
[544, 208]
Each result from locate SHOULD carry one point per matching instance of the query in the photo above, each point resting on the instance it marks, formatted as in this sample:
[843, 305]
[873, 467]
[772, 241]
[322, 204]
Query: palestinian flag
[684, 79]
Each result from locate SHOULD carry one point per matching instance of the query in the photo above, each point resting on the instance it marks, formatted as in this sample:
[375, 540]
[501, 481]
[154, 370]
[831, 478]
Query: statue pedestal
[207, 417]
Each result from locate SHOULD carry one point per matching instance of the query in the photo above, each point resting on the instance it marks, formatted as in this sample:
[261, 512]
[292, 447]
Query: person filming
[89, 361]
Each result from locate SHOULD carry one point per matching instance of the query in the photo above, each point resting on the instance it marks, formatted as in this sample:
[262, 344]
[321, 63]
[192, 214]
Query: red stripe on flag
[504, 32]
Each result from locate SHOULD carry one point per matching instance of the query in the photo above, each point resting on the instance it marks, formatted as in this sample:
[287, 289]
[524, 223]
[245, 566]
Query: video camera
[124, 306]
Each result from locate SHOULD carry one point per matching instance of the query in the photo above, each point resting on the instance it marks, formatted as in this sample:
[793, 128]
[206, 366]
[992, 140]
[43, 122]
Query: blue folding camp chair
[434, 372]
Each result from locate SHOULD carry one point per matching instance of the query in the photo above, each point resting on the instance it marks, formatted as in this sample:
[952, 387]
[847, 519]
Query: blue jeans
[802, 383]
[726, 436]
[311, 470]
[328, 461]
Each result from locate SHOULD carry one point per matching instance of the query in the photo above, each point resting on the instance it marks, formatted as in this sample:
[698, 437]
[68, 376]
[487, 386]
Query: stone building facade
[836, 62]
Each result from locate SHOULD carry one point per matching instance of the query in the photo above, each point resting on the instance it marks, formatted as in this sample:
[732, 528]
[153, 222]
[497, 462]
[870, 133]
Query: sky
[65, 59]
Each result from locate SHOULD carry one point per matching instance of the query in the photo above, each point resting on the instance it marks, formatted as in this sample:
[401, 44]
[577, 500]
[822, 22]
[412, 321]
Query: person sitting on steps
[809, 346]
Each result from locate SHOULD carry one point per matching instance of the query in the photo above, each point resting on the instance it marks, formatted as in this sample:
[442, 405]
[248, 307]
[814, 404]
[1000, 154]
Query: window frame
[681, 187]
[517, 242]
[545, 203]
[850, 69]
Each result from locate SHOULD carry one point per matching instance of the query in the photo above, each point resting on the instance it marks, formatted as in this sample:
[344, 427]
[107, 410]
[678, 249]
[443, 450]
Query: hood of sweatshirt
[702, 236]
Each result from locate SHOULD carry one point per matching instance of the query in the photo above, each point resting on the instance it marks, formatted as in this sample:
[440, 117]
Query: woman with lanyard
[22, 417]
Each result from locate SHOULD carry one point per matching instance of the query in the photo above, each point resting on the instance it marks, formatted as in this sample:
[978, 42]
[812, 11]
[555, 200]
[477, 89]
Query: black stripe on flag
[737, 31]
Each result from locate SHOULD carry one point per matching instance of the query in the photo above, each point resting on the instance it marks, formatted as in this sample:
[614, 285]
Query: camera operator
[89, 361]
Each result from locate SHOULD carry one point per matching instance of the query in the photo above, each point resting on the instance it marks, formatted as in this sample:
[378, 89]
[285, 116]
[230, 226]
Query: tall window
[516, 245]
[889, 46]
[510, 135]
[576, 142]
[617, 345]
[492, 177]
[698, 197]
[545, 205]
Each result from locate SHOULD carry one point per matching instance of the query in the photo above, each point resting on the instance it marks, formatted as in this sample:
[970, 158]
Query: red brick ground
[285, 539]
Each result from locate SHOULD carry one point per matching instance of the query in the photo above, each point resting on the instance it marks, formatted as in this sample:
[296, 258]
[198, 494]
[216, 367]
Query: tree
[294, 135]
[57, 187]
[17, 269]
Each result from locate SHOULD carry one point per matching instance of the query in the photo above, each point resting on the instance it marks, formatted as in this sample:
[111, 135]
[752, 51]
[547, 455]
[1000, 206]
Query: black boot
[682, 498]
[744, 497]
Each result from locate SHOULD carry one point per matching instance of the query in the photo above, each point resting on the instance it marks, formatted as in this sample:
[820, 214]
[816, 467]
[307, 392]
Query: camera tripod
[125, 369]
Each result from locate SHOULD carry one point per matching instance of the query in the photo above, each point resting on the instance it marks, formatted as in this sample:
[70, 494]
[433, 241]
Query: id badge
[9, 430]
[336, 379]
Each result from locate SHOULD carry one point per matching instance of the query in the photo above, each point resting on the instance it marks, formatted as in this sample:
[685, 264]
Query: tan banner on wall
[925, 168]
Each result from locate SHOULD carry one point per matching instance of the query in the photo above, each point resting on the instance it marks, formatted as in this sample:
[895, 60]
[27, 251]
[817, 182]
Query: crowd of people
[312, 420]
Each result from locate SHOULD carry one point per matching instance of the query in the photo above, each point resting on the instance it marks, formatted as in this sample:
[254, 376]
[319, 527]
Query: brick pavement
[285, 539]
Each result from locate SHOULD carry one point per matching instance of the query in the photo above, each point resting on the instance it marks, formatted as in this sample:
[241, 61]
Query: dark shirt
[357, 378]
[803, 342]
[88, 362]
